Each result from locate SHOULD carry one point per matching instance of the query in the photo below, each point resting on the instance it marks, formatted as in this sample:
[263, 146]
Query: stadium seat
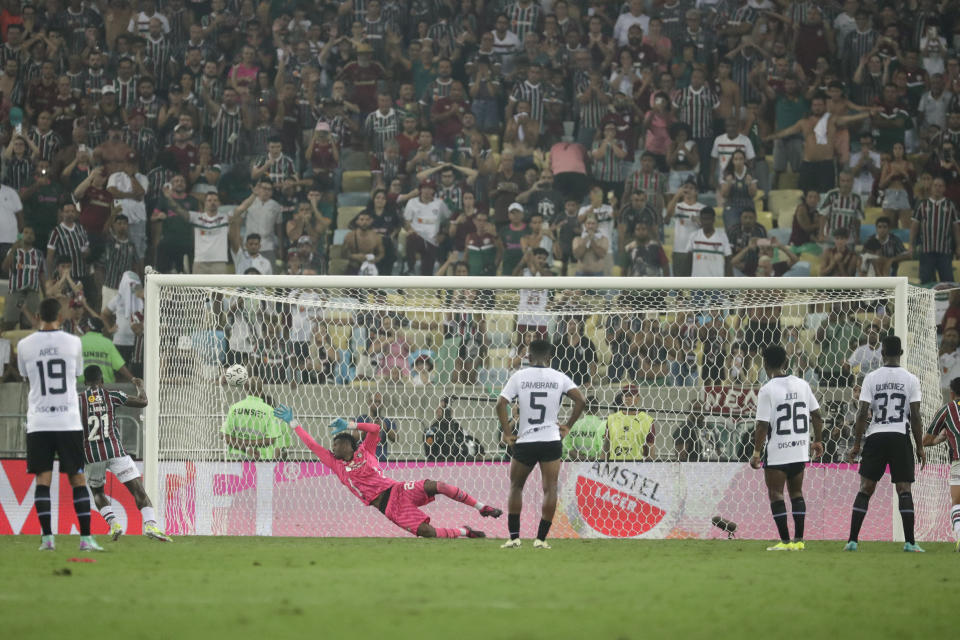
[353, 199]
[866, 230]
[903, 234]
[910, 269]
[338, 267]
[339, 236]
[345, 216]
[15, 336]
[814, 261]
[870, 215]
[789, 180]
[357, 181]
[783, 202]
[355, 161]
[765, 218]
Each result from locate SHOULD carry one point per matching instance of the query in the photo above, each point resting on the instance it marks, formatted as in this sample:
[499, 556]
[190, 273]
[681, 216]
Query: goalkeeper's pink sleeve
[372, 438]
[324, 454]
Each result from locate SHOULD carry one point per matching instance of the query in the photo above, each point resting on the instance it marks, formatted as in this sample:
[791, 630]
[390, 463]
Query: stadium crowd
[473, 137]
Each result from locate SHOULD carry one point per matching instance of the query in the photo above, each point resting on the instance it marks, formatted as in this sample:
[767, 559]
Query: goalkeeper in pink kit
[357, 467]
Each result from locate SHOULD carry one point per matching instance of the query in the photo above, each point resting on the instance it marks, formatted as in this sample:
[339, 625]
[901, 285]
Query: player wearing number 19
[786, 407]
[538, 390]
[892, 394]
[51, 359]
[103, 450]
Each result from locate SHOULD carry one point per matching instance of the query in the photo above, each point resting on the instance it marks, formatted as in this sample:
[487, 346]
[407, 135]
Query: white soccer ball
[236, 375]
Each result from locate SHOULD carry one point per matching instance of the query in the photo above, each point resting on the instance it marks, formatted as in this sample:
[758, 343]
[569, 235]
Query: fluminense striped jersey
[71, 242]
[159, 52]
[608, 168]
[101, 441]
[672, 15]
[279, 168]
[532, 93]
[227, 134]
[856, 45]
[592, 111]
[936, 218]
[126, 92]
[695, 108]
[382, 128]
[27, 270]
[118, 257]
[841, 211]
[94, 81]
[653, 183]
[17, 172]
[947, 421]
[523, 20]
[144, 143]
[48, 143]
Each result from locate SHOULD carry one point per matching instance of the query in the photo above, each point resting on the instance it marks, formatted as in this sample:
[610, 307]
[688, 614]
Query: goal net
[670, 367]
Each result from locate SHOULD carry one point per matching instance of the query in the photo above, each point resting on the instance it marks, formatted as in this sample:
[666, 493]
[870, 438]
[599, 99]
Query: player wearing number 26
[892, 395]
[51, 360]
[786, 408]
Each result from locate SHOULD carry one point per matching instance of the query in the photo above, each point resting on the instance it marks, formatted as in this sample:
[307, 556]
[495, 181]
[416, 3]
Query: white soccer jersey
[785, 403]
[210, 236]
[890, 390]
[538, 392]
[534, 303]
[686, 222]
[51, 361]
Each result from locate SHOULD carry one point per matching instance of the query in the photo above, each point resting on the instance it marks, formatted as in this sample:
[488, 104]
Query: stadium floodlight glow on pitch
[683, 352]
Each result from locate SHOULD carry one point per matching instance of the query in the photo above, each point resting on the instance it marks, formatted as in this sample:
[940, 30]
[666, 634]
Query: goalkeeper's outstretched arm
[326, 456]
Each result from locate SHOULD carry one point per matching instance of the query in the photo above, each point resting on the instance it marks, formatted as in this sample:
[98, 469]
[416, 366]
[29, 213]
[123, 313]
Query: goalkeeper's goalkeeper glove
[339, 425]
[283, 412]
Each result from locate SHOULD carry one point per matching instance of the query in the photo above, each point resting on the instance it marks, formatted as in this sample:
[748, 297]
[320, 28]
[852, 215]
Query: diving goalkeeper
[357, 467]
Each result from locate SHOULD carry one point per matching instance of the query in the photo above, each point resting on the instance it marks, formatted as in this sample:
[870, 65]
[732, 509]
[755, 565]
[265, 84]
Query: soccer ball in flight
[236, 375]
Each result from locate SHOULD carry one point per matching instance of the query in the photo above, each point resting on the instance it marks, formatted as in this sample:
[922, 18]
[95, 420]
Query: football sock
[799, 507]
[107, 513]
[955, 519]
[454, 532]
[459, 495]
[41, 499]
[81, 505]
[513, 525]
[543, 529]
[148, 515]
[906, 514]
[860, 504]
[779, 508]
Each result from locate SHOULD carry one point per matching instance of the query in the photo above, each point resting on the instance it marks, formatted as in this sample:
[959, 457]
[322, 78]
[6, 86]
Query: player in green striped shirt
[251, 431]
[946, 428]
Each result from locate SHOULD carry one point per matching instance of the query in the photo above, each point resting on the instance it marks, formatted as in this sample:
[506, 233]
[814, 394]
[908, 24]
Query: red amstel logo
[619, 500]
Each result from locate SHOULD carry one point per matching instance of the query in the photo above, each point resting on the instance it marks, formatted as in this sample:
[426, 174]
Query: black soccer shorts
[792, 469]
[43, 445]
[531, 453]
[885, 448]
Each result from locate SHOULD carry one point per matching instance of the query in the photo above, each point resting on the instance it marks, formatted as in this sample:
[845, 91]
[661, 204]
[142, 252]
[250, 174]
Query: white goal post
[676, 358]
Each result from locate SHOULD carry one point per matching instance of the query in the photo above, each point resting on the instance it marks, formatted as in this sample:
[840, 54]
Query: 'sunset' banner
[599, 499]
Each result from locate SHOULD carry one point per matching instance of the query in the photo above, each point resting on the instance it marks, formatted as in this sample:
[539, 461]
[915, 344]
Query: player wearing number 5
[786, 408]
[538, 390]
[103, 450]
[51, 359]
[892, 394]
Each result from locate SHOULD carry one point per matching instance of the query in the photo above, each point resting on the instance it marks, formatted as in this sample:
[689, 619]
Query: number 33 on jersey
[785, 403]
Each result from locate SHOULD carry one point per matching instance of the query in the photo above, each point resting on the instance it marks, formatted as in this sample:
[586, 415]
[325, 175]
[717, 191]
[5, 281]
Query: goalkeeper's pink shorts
[403, 506]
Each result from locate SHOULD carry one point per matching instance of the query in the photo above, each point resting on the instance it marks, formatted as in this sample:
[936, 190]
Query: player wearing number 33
[51, 360]
[786, 408]
[538, 390]
[892, 395]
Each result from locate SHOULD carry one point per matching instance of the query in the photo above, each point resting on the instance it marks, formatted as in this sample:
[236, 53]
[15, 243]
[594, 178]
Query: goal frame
[156, 281]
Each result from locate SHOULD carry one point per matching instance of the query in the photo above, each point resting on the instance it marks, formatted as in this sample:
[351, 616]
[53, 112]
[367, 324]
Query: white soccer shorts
[955, 474]
[124, 468]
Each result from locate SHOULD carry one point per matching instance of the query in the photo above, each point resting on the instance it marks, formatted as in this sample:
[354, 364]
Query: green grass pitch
[270, 588]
